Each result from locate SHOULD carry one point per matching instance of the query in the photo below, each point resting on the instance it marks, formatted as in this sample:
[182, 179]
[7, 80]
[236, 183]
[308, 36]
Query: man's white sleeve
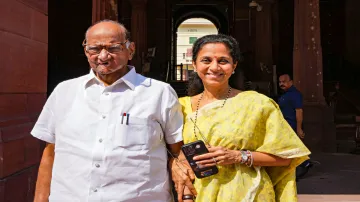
[44, 128]
[172, 116]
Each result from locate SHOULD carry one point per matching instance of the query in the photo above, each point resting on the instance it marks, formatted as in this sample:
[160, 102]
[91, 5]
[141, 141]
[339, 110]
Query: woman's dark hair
[195, 85]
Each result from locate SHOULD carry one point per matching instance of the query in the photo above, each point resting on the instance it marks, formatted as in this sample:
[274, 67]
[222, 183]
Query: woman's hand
[218, 156]
[182, 175]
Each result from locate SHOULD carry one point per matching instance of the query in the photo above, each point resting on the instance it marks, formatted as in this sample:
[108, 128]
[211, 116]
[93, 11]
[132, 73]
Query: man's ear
[86, 53]
[131, 50]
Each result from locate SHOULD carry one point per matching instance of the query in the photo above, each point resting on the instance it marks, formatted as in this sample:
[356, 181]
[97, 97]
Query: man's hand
[182, 175]
[300, 133]
[299, 121]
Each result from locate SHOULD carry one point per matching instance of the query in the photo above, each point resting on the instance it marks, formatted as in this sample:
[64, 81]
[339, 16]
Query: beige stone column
[307, 53]
[139, 31]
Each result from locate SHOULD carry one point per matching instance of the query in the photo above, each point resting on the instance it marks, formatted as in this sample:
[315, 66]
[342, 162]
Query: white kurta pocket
[133, 136]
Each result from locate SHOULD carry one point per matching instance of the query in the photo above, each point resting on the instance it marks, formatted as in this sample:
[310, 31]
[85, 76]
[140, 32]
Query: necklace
[198, 104]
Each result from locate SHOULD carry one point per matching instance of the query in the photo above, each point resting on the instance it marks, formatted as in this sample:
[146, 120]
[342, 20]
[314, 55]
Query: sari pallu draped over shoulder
[248, 121]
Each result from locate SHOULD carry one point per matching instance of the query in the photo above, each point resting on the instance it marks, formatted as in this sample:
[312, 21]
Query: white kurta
[98, 157]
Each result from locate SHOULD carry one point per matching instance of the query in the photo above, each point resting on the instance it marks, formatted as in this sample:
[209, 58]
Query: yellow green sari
[248, 121]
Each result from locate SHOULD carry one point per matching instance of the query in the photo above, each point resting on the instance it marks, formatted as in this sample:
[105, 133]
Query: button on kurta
[97, 165]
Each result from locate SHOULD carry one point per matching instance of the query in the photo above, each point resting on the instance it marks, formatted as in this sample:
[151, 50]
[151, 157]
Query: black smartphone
[194, 149]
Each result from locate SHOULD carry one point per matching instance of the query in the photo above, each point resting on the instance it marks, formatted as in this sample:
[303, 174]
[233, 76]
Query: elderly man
[291, 105]
[107, 131]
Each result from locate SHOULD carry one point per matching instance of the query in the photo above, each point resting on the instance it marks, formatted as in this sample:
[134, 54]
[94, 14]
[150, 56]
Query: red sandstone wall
[23, 85]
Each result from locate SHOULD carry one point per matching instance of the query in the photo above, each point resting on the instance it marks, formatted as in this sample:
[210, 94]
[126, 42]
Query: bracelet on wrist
[250, 161]
[246, 158]
[243, 157]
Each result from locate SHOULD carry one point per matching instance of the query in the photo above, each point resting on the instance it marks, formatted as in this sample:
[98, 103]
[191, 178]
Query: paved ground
[334, 177]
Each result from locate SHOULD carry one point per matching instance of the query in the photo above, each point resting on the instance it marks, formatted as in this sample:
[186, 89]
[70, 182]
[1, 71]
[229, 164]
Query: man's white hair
[120, 25]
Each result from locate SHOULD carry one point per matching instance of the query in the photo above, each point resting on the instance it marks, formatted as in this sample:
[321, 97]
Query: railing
[182, 72]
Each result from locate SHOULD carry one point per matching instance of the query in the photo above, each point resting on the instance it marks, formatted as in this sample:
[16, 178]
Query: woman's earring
[194, 70]
[233, 72]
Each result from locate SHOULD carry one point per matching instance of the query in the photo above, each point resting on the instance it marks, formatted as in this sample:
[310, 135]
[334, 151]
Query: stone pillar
[104, 9]
[263, 41]
[139, 31]
[307, 58]
[318, 124]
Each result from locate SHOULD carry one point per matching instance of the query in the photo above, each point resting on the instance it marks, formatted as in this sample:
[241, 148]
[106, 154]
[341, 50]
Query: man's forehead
[104, 31]
[284, 77]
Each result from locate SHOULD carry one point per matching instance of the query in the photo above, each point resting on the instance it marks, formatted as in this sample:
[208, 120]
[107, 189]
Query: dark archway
[208, 12]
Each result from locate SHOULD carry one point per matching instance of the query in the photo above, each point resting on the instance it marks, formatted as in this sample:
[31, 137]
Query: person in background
[291, 105]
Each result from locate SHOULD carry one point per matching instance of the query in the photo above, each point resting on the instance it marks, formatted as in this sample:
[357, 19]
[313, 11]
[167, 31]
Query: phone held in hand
[194, 149]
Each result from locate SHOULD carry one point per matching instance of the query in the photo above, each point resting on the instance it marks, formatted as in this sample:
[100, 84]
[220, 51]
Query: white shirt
[97, 156]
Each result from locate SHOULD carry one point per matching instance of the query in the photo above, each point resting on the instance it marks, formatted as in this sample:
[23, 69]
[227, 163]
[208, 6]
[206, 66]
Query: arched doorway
[187, 33]
[212, 14]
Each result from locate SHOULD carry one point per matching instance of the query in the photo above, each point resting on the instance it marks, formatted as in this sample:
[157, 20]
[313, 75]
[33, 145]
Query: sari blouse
[248, 121]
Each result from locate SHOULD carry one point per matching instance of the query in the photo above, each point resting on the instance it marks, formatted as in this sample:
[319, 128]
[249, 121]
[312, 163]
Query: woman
[254, 148]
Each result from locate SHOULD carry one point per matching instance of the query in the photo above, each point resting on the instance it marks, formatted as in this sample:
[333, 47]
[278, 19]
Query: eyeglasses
[95, 49]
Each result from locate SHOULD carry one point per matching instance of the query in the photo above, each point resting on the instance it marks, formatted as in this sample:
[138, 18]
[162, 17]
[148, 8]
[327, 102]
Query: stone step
[328, 198]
